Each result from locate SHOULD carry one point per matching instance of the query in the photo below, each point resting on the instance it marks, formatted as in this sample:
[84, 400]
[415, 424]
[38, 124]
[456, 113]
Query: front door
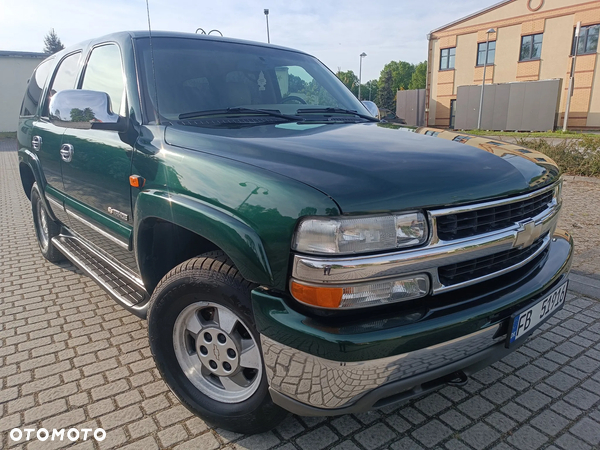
[96, 175]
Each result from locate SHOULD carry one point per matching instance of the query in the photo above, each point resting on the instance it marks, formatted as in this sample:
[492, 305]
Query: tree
[369, 90]
[419, 76]
[386, 94]
[401, 73]
[52, 43]
[296, 84]
[349, 79]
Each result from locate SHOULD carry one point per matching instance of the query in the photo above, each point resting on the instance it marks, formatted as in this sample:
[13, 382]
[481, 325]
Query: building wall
[14, 73]
[556, 19]
[508, 45]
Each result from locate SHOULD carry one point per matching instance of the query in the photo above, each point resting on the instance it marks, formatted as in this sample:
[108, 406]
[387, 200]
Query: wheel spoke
[234, 383]
[193, 324]
[226, 320]
[250, 357]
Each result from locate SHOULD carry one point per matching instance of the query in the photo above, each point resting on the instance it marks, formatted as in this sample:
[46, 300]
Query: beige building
[532, 40]
[15, 70]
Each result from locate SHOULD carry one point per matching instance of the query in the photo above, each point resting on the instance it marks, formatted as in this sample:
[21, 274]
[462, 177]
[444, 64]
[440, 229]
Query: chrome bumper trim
[330, 270]
[327, 384]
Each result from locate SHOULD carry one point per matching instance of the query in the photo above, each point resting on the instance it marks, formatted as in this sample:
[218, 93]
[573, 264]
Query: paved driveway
[69, 356]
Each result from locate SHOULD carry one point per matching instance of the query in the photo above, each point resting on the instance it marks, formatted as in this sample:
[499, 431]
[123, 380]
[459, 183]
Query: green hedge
[574, 156]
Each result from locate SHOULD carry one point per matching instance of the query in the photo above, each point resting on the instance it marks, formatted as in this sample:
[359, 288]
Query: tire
[45, 227]
[206, 346]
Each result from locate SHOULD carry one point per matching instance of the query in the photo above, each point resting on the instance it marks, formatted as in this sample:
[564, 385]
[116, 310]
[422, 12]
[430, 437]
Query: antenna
[152, 59]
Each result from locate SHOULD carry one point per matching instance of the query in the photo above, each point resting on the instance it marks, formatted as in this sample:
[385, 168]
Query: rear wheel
[205, 344]
[45, 227]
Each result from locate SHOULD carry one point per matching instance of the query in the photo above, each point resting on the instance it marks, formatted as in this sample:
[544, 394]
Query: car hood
[375, 167]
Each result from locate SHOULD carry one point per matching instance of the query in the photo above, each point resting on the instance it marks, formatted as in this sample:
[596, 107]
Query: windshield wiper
[337, 111]
[238, 110]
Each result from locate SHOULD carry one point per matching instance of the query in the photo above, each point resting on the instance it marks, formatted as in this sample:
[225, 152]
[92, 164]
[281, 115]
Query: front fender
[30, 159]
[236, 238]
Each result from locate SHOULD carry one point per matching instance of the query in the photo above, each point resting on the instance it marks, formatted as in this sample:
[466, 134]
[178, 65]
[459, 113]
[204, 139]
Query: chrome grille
[472, 223]
[480, 267]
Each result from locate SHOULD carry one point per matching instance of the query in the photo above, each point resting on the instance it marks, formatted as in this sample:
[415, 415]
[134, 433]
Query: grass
[8, 134]
[525, 134]
[574, 157]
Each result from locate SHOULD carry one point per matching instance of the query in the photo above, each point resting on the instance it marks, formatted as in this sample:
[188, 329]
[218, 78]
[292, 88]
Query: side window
[34, 89]
[104, 73]
[65, 77]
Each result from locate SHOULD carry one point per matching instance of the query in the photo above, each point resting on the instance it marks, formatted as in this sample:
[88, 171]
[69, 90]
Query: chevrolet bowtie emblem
[527, 233]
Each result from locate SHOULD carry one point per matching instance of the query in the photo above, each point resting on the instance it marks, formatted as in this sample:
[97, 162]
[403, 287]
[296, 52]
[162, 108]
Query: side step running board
[121, 286]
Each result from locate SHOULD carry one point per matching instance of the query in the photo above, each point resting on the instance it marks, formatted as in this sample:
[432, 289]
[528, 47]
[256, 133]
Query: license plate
[525, 321]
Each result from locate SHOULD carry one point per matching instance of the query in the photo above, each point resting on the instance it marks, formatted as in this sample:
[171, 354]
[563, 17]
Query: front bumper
[315, 367]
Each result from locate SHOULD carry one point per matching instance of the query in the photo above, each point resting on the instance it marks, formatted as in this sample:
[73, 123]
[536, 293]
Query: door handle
[66, 152]
[36, 143]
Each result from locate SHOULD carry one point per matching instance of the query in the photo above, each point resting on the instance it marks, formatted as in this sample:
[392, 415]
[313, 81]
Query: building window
[447, 58]
[491, 52]
[588, 40]
[531, 47]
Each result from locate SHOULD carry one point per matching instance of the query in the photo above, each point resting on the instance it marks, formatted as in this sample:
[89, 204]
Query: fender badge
[117, 213]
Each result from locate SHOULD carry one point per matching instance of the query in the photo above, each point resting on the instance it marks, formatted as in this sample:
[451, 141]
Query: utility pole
[267, 16]
[362, 55]
[572, 77]
[487, 49]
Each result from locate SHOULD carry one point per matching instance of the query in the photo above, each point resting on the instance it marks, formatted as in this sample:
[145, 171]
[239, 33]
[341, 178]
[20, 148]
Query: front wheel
[205, 344]
[45, 227]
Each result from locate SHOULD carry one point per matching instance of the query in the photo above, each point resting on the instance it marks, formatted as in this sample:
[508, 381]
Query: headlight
[360, 295]
[347, 235]
[558, 192]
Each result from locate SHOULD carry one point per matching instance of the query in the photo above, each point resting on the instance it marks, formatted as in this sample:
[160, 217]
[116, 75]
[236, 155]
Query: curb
[584, 284]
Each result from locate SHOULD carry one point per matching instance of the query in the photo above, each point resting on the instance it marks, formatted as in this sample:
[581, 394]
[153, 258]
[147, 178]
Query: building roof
[475, 14]
[14, 54]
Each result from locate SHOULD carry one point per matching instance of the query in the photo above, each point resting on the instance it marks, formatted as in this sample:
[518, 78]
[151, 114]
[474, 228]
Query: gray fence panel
[473, 106]
[516, 102]
[524, 106]
[499, 115]
[462, 107]
[410, 106]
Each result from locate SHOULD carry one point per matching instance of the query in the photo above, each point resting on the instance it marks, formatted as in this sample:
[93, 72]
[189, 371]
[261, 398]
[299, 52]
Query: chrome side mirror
[371, 107]
[85, 110]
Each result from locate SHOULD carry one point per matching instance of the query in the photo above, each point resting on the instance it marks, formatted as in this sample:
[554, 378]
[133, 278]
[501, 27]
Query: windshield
[195, 75]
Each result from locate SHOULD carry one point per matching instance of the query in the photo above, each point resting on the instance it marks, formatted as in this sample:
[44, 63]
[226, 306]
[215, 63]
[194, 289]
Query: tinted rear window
[35, 86]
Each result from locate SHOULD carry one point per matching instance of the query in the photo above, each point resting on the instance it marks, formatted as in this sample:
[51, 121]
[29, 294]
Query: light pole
[572, 77]
[487, 49]
[267, 17]
[362, 55]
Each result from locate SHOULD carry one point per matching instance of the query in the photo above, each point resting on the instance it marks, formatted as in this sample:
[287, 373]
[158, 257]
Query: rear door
[96, 177]
[46, 138]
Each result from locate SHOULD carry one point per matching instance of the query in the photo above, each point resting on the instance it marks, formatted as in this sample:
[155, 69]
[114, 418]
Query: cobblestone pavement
[69, 356]
[581, 217]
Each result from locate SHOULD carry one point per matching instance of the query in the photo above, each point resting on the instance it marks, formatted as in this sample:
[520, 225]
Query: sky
[336, 32]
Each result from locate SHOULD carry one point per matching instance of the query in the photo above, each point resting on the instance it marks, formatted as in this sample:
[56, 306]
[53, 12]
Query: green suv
[289, 251]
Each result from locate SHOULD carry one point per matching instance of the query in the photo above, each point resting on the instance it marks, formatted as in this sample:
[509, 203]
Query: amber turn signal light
[137, 181]
[324, 297]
